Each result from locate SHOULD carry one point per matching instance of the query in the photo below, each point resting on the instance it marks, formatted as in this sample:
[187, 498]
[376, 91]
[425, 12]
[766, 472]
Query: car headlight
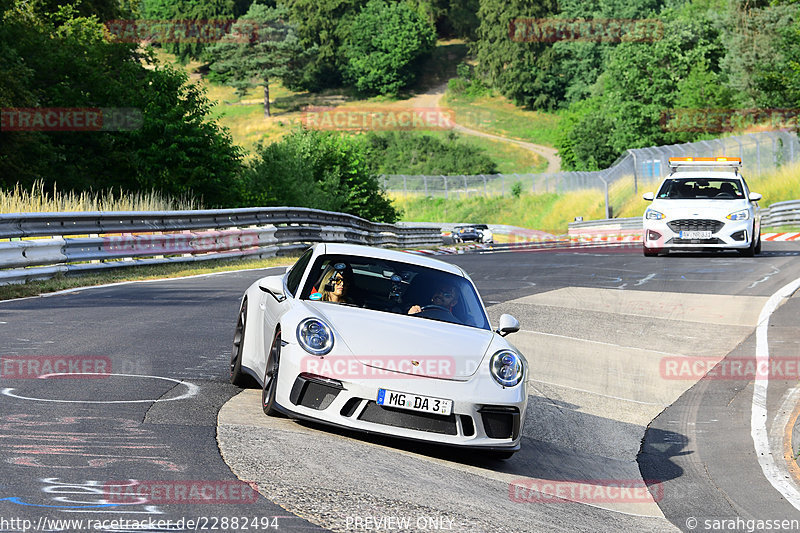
[315, 336]
[506, 368]
[744, 214]
[652, 214]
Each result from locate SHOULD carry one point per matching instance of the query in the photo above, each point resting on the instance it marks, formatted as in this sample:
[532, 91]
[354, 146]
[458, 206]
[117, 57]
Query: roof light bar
[675, 162]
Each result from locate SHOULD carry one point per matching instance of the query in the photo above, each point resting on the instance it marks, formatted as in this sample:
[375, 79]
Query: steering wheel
[724, 195]
[438, 307]
[437, 312]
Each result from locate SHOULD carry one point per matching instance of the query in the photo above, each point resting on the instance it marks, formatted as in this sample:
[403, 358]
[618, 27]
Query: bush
[321, 170]
[414, 153]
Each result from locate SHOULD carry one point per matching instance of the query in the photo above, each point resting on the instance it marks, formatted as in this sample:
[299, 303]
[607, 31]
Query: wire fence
[760, 152]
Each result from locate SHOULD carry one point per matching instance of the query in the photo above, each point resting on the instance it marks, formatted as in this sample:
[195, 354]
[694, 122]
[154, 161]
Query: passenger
[336, 284]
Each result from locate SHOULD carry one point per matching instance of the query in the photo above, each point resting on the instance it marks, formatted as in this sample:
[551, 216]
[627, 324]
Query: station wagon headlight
[506, 368]
[652, 214]
[744, 214]
[315, 336]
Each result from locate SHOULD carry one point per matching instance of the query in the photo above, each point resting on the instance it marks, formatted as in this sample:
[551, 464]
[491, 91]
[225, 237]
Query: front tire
[271, 377]
[238, 377]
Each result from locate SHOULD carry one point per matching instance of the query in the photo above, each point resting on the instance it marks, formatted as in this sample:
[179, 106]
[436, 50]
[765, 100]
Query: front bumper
[484, 414]
[731, 234]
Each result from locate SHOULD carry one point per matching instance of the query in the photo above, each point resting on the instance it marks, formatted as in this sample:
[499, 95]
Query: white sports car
[704, 204]
[384, 342]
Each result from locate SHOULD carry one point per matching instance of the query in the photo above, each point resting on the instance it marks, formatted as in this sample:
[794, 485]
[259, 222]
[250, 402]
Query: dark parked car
[466, 234]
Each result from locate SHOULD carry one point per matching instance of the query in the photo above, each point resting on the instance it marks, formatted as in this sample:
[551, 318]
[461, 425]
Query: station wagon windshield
[701, 189]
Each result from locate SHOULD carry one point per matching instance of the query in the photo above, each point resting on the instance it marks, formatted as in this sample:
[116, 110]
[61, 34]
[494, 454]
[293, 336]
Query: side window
[296, 274]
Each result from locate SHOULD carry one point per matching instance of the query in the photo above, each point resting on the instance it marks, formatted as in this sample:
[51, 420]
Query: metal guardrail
[782, 214]
[42, 245]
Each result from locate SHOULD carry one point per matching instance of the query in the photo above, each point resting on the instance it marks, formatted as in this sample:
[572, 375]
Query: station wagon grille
[695, 225]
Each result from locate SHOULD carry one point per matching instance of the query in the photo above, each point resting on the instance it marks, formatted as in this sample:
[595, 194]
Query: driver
[445, 296]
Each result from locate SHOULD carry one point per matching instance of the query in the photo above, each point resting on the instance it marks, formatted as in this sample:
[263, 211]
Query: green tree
[517, 67]
[322, 170]
[180, 15]
[260, 47]
[761, 44]
[641, 83]
[63, 60]
[323, 25]
[385, 43]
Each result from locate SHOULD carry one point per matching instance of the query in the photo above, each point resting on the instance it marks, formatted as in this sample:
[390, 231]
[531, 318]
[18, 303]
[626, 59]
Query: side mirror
[649, 196]
[754, 197]
[508, 324]
[274, 286]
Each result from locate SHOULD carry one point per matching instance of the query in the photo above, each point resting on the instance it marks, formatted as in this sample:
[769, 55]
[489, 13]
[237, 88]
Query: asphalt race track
[617, 345]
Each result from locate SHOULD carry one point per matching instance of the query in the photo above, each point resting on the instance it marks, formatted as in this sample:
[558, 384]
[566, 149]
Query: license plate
[414, 402]
[695, 235]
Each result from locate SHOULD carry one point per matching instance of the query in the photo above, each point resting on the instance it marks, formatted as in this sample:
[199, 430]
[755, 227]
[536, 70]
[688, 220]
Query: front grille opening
[467, 425]
[350, 407]
[695, 225]
[713, 240]
[389, 416]
[500, 422]
[314, 393]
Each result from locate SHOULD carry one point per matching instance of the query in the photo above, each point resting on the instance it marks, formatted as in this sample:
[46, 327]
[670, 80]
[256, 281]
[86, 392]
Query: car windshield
[701, 189]
[394, 287]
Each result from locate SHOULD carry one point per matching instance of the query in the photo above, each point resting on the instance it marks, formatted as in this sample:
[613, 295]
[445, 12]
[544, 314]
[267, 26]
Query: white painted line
[777, 475]
[191, 390]
[645, 279]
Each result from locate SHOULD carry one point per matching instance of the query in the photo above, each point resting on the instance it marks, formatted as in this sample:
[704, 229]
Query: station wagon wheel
[271, 376]
[237, 377]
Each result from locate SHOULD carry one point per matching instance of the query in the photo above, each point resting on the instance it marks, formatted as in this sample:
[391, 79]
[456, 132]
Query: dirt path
[432, 99]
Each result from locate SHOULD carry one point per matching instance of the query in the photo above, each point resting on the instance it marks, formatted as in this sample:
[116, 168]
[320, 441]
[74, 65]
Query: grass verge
[137, 273]
[499, 116]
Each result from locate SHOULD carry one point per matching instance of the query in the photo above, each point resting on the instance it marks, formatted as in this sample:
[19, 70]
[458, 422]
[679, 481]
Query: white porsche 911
[384, 342]
[704, 204]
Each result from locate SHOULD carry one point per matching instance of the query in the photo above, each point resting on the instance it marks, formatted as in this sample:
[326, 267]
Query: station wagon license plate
[695, 235]
[414, 402]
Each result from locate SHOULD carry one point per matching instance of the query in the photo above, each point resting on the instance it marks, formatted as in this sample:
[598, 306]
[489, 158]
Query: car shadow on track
[559, 443]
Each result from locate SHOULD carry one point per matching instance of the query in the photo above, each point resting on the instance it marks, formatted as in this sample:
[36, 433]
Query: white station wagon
[704, 204]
